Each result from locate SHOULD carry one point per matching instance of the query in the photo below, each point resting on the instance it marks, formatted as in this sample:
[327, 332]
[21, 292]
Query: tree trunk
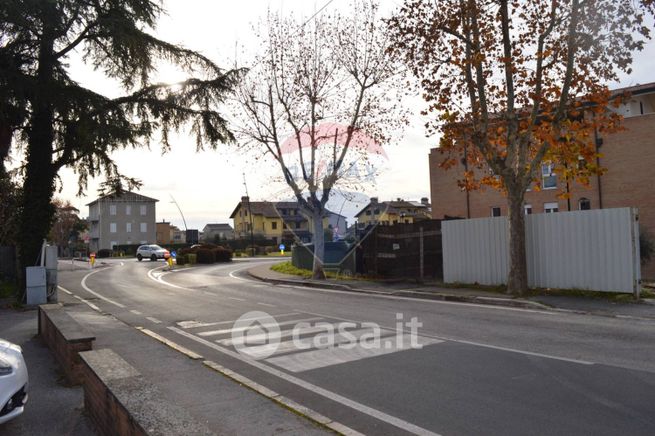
[517, 281]
[319, 246]
[37, 210]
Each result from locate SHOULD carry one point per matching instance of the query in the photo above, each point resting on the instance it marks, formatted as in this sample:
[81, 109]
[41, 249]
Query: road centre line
[463, 341]
[377, 414]
[266, 304]
[136, 312]
[237, 299]
[153, 319]
[86, 288]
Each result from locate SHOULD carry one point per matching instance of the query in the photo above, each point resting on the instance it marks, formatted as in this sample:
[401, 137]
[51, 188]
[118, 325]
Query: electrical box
[35, 280]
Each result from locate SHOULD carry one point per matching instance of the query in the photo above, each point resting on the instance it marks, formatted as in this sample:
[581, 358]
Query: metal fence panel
[592, 250]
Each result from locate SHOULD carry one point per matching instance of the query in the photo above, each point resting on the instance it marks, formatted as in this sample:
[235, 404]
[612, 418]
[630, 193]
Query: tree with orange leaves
[514, 84]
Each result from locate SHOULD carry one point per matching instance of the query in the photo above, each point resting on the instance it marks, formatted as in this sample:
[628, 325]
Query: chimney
[399, 199]
[245, 199]
[424, 200]
[374, 200]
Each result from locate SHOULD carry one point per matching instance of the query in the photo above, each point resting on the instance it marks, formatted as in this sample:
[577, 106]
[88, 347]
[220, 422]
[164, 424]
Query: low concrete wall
[121, 401]
[65, 338]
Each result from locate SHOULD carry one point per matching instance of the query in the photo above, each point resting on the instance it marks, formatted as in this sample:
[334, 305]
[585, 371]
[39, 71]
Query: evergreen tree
[60, 123]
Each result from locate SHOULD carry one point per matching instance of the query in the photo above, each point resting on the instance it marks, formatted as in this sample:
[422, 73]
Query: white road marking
[136, 312]
[65, 290]
[446, 338]
[236, 299]
[242, 329]
[529, 353]
[266, 304]
[308, 360]
[339, 338]
[159, 279]
[86, 288]
[153, 319]
[91, 305]
[377, 414]
[197, 324]
[266, 336]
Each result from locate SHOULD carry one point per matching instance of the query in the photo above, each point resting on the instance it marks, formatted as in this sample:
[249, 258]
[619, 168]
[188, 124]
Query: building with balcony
[279, 221]
[119, 220]
[628, 156]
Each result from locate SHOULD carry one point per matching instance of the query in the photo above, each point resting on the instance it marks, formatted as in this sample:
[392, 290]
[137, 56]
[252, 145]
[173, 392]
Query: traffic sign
[174, 254]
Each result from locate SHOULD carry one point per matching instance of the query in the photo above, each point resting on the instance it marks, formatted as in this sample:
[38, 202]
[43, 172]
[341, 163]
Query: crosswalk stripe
[241, 329]
[197, 324]
[269, 336]
[305, 361]
[308, 343]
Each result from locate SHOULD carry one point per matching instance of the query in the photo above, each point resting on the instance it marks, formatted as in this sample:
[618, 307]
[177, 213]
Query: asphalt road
[481, 369]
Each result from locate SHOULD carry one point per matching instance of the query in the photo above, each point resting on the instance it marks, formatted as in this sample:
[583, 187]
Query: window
[376, 212]
[528, 209]
[128, 227]
[298, 225]
[112, 227]
[143, 209]
[128, 209]
[584, 204]
[548, 177]
[144, 227]
[113, 244]
[495, 211]
[368, 212]
[274, 225]
[551, 207]
[112, 209]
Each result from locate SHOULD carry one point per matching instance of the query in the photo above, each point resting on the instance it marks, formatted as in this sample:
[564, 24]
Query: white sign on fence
[592, 250]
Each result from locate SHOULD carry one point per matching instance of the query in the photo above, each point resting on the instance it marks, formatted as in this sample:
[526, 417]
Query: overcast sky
[208, 185]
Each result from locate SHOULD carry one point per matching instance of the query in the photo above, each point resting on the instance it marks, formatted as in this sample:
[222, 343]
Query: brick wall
[629, 157]
[66, 353]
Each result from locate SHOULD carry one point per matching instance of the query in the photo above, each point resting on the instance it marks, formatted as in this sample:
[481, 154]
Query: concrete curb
[283, 401]
[507, 302]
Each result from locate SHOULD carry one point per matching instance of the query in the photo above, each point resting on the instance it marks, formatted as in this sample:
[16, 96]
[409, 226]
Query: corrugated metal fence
[592, 250]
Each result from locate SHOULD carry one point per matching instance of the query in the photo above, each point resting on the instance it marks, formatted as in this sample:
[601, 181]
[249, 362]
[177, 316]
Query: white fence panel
[593, 250]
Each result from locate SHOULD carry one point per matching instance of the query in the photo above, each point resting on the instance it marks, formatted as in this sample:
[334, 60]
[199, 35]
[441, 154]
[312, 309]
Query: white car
[13, 381]
[152, 252]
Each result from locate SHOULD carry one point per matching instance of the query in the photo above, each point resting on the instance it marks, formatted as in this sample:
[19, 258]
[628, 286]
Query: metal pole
[421, 251]
[252, 235]
[178, 208]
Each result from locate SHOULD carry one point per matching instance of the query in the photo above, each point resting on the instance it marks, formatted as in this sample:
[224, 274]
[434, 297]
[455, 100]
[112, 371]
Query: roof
[217, 226]
[395, 206]
[270, 209]
[126, 197]
[636, 89]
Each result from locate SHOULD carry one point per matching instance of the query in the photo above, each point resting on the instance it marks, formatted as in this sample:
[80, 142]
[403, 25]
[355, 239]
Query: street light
[178, 208]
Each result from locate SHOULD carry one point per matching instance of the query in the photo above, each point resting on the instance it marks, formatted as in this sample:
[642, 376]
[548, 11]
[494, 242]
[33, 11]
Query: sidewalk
[52, 408]
[597, 306]
[221, 404]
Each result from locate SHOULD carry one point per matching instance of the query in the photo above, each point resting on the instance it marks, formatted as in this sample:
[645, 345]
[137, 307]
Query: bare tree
[320, 102]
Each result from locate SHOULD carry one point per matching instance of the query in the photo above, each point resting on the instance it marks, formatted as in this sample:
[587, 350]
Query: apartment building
[387, 213]
[629, 157]
[279, 221]
[118, 220]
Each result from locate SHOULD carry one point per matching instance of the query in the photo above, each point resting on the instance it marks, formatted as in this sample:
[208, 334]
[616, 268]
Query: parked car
[13, 381]
[152, 252]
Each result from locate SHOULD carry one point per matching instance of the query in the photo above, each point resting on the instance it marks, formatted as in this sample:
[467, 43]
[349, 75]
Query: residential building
[279, 221]
[178, 236]
[222, 230]
[628, 156]
[163, 235]
[387, 213]
[119, 220]
[338, 224]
